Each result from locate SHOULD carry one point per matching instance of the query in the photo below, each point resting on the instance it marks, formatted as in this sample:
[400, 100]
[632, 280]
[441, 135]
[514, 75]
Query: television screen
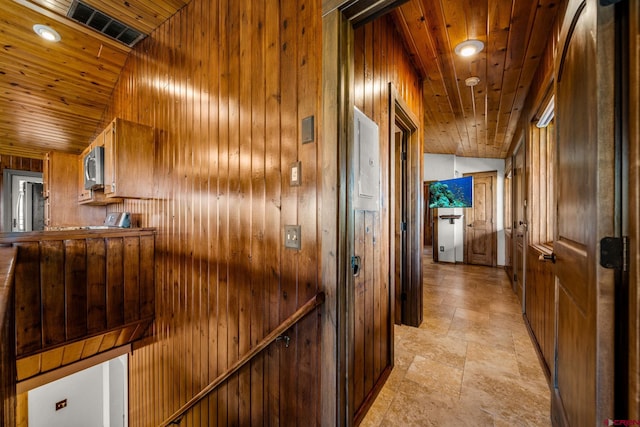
[451, 193]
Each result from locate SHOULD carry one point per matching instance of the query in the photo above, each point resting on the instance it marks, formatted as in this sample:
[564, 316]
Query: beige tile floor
[470, 363]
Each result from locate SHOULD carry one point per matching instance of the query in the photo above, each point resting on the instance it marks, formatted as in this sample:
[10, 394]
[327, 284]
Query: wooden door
[480, 234]
[428, 217]
[508, 218]
[519, 222]
[584, 372]
[110, 156]
[373, 333]
[399, 252]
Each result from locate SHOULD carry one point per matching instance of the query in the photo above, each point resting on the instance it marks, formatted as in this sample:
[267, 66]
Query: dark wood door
[428, 217]
[585, 213]
[480, 235]
[373, 334]
[519, 222]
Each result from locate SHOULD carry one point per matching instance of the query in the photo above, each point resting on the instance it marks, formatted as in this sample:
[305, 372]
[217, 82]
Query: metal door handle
[355, 265]
[469, 225]
[551, 257]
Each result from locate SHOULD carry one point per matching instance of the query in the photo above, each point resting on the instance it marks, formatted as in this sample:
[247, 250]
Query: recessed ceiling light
[469, 47]
[46, 32]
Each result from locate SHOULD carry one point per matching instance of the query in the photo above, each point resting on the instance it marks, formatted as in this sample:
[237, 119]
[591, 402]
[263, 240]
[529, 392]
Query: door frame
[634, 214]
[336, 406]
[411, 290]
[7, 193]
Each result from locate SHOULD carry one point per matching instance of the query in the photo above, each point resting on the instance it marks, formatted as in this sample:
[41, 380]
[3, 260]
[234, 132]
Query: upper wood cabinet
[129, 150]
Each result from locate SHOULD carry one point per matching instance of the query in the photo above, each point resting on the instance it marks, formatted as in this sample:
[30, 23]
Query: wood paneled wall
[540, 304]
[226, 84]
[380, 59]
[17, 163]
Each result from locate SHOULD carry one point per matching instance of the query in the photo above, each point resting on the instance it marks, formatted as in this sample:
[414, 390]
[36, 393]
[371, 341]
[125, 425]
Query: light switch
[295, 176]
[292, 236]
[308, 132]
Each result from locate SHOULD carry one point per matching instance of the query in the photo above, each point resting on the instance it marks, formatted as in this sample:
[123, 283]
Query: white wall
[88, 394]
[451, 236]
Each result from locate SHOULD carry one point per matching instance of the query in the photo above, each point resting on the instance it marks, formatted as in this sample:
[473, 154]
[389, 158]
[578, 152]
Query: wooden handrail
[266, 341]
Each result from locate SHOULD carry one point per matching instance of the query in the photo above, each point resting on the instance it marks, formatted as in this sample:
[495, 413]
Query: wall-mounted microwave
[94, 168]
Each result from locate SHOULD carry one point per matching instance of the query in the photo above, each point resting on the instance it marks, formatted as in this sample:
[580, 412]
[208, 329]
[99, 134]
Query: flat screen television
[451, 193]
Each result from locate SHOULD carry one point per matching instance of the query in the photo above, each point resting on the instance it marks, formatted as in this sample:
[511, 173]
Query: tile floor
[471, 362]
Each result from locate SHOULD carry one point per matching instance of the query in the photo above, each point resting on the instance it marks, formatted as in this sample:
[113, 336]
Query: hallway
[470, 363]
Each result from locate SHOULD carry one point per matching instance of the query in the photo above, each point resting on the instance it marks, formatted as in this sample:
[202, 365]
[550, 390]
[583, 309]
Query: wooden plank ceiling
[478, 121]
[52, 95]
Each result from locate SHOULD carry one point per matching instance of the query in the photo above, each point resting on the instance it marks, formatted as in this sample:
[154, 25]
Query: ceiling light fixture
[469, 48]
[472, 81]
[46, 32]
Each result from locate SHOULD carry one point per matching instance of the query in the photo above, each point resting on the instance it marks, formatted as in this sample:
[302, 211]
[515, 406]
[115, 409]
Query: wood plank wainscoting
[540, 304]
[226, 84]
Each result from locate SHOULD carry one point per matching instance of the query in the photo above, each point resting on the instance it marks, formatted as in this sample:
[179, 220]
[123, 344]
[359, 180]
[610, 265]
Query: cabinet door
[110, 156]
[129, 155]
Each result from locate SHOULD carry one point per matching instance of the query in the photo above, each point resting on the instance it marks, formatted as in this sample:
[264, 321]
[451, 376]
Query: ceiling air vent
[104, 24]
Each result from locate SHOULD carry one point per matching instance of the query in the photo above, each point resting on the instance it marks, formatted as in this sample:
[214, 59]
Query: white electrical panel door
[366, 163]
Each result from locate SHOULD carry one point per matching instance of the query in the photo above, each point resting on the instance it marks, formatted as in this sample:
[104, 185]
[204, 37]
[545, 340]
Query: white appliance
[94, 168]
[28, 209]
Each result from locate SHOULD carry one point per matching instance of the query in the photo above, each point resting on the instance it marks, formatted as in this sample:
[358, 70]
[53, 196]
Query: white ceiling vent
[104, 24]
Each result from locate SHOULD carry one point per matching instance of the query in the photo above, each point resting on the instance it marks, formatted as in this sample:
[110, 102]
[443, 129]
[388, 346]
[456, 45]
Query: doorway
[95, 396]
[406, 212]
[23, 207]
[358, 244]
[480, 240]
[428, 216]
[519, 221]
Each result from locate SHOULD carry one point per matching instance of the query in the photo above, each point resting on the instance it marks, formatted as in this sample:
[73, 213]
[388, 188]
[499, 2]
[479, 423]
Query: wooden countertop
[81, 233]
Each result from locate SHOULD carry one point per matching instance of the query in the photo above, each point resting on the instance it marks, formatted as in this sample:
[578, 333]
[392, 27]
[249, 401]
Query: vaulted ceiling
[52, 96]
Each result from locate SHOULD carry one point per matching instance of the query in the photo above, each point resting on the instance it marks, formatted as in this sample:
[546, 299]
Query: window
[542, 151]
